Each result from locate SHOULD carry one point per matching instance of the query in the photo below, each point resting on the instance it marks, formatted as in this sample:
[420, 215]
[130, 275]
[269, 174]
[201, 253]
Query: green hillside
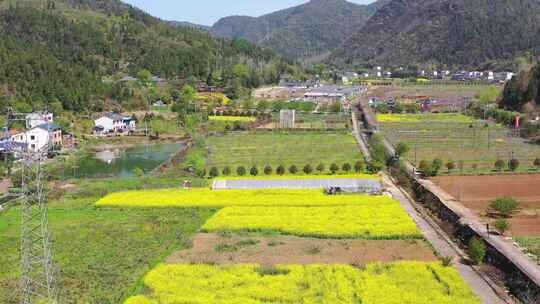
[60, 51]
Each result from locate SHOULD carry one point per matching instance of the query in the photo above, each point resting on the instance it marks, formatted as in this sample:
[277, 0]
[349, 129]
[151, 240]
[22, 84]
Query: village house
[113, 123]
[38, 118]
[39, 137]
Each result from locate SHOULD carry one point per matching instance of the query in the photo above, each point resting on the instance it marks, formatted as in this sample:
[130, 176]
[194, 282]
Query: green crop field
[277, 148]
[454, 138]
[101, 254]
[323, 121]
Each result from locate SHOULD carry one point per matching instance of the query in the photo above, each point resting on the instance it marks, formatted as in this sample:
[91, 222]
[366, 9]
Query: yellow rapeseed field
[204, 197]
[396, 283]
[455, 118]
[232, 118]
[383, 220]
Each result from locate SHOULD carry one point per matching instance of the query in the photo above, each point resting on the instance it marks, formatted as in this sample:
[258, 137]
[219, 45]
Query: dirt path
[211, 248]
[484, 288]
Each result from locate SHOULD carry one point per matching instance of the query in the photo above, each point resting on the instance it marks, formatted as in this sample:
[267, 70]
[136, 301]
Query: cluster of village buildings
[40, 133]
[462, 75]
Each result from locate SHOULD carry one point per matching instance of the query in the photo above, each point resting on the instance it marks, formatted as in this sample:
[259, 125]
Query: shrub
[293, 169]
[447, 261]
[214, 172]
[402, 149]
[307, 169]
[280, 170]
[358, 166]
[254, 171]
[346, 167]
[375, 166]
[513, 164]
[426, 168]
[320, 168]
[499, 165]
[267, 170]
[504, 206]
[536, 163]
[450, 166]
[477, 250]
[334, 168]
[226, 171]
[241, 171]
[436, 166]
[138, 172]
[502, 225]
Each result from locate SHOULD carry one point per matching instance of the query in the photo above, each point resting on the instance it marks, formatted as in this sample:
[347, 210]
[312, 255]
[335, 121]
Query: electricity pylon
[37, 283]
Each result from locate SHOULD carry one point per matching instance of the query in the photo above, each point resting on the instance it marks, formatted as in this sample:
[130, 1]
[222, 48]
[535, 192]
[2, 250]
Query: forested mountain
[189, 24]
[476, 33]
[522, 93]
[60, 51]
[304, 31]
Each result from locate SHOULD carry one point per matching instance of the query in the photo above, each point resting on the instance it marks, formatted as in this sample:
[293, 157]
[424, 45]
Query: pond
[121, 162]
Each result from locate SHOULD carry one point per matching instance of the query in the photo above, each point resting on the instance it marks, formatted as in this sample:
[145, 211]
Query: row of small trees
[432, 168]
[357, 167]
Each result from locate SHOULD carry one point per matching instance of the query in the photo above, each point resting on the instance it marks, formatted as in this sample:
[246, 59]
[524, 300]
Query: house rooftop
[49, 126]
[114, 116]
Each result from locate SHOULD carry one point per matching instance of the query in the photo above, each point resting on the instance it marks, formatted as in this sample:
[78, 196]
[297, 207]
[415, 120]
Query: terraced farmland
[277, 148]
[470, 144]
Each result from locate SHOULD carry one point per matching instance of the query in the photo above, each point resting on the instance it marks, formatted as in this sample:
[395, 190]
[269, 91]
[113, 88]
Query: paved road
[445, 247]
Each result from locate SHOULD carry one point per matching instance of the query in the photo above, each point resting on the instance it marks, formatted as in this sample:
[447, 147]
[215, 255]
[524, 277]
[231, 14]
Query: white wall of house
[106, 123]
[36, 139]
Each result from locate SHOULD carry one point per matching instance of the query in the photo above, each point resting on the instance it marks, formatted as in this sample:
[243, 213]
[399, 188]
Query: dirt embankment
[272, 250]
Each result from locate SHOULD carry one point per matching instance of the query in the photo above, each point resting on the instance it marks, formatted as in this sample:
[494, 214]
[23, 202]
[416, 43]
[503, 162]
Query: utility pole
[37, 283]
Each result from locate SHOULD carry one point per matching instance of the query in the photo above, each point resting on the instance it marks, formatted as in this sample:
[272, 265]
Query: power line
[37, 269]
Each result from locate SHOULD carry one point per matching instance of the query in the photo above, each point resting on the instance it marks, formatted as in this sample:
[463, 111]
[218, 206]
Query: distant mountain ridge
[308, 30]
[480, 33]
[189, 25]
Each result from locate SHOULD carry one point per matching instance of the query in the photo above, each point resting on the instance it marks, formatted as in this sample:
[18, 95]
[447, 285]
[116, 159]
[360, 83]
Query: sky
[207, 12]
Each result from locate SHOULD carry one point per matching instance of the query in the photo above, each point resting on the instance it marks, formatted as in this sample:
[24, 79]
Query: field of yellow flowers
[425, 117]
[396, 283]
[383, 220]
[203, 197]
[232, 118]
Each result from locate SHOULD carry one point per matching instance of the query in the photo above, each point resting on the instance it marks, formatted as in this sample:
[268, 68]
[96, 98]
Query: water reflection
[122, 162]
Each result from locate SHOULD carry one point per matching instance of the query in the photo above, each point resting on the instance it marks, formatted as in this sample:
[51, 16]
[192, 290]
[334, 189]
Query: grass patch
[531, 245]
[101, 253]
[401, 282]
[224, 247]
[282, 148]
[474, 147]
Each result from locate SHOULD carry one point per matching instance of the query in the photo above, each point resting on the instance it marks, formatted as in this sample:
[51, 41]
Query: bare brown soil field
[273, 250]
[476, 192]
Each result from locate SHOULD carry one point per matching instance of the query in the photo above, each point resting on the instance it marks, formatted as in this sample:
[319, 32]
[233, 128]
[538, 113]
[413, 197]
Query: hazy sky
[207, 12]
